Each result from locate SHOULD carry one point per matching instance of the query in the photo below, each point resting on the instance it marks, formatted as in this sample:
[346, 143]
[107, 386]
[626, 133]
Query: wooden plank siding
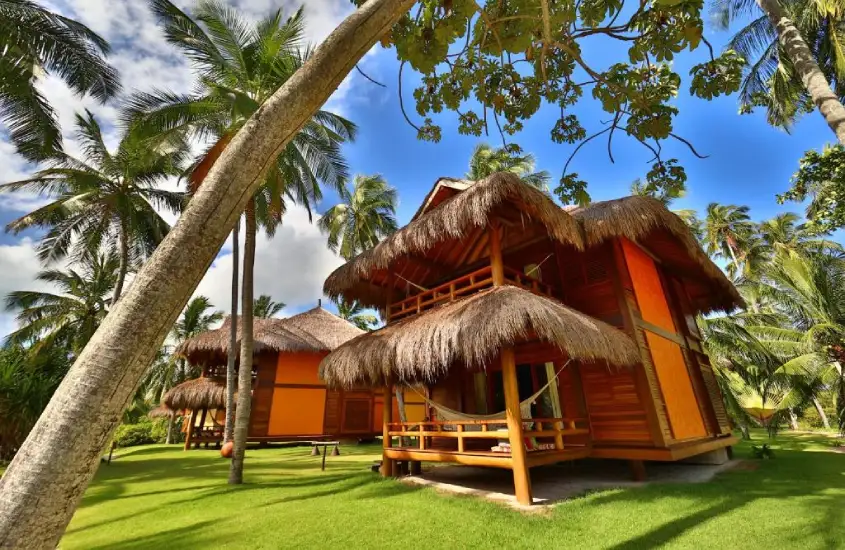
[617, 401]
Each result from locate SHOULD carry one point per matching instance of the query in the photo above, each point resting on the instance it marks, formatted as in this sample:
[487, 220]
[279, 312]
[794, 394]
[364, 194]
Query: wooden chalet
[289, 401]
[578, 323]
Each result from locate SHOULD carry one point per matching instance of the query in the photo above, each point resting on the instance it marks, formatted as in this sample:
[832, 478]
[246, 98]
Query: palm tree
[108, 199]
[366, 215]
[727, 229]
[70, 317]
[240, 66]
[355, 313]
[486, 160]
[264, 307]
[787, 43]
[35, 41]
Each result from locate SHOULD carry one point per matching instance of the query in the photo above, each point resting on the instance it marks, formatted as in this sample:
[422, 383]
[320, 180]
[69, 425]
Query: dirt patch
[746, 466]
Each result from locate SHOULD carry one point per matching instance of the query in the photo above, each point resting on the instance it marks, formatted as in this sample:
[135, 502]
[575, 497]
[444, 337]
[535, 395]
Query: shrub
[142, 433]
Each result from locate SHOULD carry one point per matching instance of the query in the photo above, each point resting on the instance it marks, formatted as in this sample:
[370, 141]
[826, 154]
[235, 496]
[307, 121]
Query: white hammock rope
[524, 406]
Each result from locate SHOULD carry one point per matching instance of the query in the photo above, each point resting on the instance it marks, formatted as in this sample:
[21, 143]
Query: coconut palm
[35, 41]
[69, 317]
[366, 215]
[795, 50]
[487, 160]
[727, 229]
[355, 313]
[264, 307]
[240, 65]
[108, 199]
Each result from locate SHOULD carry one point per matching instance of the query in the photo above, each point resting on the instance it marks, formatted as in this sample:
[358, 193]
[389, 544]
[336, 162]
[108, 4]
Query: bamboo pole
[521, 477]
[387, 418]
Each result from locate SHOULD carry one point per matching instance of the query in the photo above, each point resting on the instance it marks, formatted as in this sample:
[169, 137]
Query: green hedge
[143, 433]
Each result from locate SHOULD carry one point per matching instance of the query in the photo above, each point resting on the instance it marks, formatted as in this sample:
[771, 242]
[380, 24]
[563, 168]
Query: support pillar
[521, 476]
[638, 470]
[387, 418]
[190, 431]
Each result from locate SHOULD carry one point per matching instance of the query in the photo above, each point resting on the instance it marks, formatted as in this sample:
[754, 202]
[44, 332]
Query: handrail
[423, 432]
[475, 281]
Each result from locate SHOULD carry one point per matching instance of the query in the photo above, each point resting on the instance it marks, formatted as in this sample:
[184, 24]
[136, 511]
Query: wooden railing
[463, 286]
[425, 435]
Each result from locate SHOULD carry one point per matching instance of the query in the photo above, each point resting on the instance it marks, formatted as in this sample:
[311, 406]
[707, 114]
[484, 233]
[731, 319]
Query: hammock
[524, 406]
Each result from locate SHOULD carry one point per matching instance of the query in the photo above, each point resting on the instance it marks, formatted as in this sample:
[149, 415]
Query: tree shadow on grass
[189, 536]
[786, 477]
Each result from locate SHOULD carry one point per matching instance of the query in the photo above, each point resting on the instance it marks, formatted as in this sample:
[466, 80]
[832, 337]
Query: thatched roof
[162, 411]
[453, 219]
[638, 218]
[470, 332]
[199, 393]
[315, 330]
[453, 207]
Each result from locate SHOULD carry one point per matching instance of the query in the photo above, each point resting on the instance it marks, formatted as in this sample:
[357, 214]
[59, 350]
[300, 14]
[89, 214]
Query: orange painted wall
[675, 384]
[299, 368]
[647, 287]
[297, 411]
[684, 414]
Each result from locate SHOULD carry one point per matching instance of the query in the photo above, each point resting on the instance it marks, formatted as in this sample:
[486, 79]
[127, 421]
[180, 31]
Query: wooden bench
[315, 451]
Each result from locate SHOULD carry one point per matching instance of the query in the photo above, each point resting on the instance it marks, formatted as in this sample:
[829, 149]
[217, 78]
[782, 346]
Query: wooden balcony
[473, 441]
[465, 285]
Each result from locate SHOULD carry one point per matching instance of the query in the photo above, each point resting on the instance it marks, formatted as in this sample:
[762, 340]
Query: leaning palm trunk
[244, 408]
[123, 243]
[43, 485]
[822, 414]
[807, 67]
[170, 422]
[400, 404]
[231, 378]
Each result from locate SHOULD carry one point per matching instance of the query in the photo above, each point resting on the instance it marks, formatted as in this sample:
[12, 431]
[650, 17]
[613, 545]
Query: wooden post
[387, 416]
[496, 264]
[190, 431]
[638, 470]
[521, 477]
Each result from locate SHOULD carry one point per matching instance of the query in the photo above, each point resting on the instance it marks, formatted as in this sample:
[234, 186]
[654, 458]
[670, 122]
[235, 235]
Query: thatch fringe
[199, 393]
[635, 218]
[315, 330]
[162, 411]
[452, 220]
[471, 332]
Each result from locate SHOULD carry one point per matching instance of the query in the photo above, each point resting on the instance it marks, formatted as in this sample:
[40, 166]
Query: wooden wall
[617, 400]
[299, 396]
[262, 394]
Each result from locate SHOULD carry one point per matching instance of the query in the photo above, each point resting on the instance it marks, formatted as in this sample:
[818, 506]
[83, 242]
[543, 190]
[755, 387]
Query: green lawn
[156, 497]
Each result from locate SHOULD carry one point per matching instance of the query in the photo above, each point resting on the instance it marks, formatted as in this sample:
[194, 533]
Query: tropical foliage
[264, 307]
[487, 160]
[35, 41]
[108, 200]
[366, 214]
[357, 315]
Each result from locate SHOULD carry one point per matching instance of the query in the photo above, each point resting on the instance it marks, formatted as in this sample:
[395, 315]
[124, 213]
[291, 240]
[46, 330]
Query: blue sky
[748, 161]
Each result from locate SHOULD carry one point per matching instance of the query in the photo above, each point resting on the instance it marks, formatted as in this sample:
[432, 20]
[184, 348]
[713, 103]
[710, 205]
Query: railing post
[422, 437]
[460, 438]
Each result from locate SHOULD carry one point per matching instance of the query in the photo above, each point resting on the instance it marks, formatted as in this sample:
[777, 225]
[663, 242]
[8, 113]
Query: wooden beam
[521, 476]
[494, 460]
[387, 418]
[496, 255]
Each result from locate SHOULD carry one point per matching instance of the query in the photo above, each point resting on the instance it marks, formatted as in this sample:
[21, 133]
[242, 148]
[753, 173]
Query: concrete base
[715, 457]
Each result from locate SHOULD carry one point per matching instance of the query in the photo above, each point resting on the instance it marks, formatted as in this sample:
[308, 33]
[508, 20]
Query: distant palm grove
[780, 363]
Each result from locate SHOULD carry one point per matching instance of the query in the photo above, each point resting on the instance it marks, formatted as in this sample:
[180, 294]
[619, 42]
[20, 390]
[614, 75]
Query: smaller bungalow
[289, 400]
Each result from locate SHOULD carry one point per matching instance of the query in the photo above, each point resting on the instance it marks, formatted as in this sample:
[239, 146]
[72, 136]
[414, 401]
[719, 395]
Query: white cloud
[19, 265]
[290, 267]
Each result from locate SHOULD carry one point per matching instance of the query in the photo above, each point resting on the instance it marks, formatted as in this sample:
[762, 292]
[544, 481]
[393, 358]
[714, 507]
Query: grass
[163, 497]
